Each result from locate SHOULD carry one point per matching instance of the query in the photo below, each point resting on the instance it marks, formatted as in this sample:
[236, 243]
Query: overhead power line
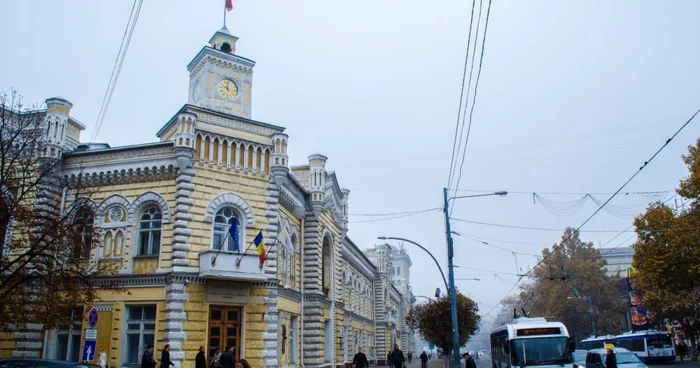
[577, 230]
[117, 68]
[461, 97]
[476, 89]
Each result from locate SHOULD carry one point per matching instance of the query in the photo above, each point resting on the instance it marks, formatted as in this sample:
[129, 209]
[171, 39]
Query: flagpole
[224, 13]
[213, 260]
[238, 261]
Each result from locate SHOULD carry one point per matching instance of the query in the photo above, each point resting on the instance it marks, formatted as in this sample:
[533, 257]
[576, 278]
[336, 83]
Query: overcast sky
[574, 96]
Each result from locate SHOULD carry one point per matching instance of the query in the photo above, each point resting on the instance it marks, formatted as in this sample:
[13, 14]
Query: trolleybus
[597, 342]
[531, 342]
[649, 346]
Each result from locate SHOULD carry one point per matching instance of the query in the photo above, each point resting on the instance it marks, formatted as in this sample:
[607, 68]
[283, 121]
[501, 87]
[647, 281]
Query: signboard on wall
[227, 292]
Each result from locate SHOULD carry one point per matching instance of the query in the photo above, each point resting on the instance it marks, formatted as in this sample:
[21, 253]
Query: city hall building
[164, 209]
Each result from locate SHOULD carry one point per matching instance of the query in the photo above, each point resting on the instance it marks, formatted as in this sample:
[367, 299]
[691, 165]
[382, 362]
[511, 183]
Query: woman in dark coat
[610, 359]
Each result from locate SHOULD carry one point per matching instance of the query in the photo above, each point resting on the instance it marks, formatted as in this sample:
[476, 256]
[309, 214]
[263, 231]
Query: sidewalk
[415, 363]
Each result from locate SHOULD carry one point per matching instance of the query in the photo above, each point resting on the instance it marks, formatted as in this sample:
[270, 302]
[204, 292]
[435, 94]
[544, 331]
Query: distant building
[394, 296]
[619, 260]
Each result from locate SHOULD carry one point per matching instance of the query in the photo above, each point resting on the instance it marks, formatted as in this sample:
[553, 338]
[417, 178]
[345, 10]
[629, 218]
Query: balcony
[228, 267]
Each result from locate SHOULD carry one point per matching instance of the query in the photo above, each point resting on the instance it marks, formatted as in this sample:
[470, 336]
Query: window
[283, 266]
[222, 223]
[140, 330]
[114, 227]
[84, 228]
[326, 264]
[67, 343]
[149, 232]
[293, 262]
[328, 341]
[292, 355]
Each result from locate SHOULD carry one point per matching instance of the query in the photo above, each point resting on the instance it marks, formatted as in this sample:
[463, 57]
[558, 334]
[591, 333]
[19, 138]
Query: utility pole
[590, 309]
[453, 293]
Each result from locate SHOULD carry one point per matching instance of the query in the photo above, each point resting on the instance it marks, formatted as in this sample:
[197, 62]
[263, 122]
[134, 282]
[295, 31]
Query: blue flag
[233, 233]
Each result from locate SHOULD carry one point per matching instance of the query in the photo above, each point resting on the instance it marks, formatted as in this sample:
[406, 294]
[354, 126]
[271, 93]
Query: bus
[597, 342]
[649, 346]
[531, 342]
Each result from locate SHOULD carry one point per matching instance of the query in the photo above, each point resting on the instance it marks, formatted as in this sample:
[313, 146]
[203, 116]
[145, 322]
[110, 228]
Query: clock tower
[220, 80]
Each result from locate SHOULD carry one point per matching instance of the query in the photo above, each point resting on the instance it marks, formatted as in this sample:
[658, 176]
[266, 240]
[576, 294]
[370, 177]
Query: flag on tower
[229, 5]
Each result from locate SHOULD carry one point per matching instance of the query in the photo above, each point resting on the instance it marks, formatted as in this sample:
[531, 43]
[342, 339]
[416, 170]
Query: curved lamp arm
[421, 247]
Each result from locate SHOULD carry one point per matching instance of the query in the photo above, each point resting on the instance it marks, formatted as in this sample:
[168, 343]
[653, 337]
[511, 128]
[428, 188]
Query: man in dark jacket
[165, 361]
[468, 361]
[227, 359]
[360, 359]
[396, 357]
[200, 360]
[423, 360]
[147, 361]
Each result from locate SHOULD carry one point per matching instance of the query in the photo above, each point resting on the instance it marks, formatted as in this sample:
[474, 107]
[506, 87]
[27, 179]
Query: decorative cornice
[132, 280]
[317, 298]
[357, 259]
[358, 317]
[289, 293]
[230, 199]
[291, 200]
[214, 56]
[270, 284]
[104, 307]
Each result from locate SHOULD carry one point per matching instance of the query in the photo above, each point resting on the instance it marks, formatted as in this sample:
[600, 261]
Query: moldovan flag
[229, 5]
[260, 247]
[285, 238]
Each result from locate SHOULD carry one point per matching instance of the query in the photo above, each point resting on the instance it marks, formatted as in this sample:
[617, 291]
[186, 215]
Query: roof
[213, 112]
[209, 48]
[117, 149]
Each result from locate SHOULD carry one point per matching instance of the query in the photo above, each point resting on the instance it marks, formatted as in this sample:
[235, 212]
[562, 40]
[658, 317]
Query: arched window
[150, 227]
[223, 221]
[294, 258]
[326, 264]
[113, 225]
[84, 222]
[283, 266]
[112, 244]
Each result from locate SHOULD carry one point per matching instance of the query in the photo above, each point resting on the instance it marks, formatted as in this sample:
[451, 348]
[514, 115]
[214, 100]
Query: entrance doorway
[224, 330]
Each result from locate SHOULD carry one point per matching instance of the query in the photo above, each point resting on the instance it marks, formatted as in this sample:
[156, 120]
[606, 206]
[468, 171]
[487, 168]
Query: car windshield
[540, 351]
[579, 356]
[623, 358]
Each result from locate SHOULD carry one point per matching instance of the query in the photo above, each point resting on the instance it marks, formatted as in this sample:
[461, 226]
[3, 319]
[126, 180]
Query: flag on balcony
[285, 237]
[233, 233]
[260, 247]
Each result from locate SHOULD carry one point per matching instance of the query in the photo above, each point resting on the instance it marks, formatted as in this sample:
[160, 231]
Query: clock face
[228, 89]
[197, 92]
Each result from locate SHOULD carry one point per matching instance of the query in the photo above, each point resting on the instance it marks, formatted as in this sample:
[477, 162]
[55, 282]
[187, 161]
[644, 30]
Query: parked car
[625, 359]
[42, 363]
[580, 358]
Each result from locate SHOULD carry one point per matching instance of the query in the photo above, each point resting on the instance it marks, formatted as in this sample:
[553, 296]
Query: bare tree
[45, 244]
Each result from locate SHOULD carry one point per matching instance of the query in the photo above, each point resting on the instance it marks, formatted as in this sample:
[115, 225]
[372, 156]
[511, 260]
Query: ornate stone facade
[163, 212]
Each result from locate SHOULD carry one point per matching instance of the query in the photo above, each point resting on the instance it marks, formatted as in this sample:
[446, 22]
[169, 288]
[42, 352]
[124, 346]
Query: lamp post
[421, 247]
[424, 297]
[450, 262]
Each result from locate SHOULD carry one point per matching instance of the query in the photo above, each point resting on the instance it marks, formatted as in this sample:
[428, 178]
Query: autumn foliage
[667, 255]
[433, 320]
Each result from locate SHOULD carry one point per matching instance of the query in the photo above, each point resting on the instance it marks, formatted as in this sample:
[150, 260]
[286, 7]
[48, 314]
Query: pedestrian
[423, 360]
[680, 350]
[147, 361]
[227, 359]
[243, 364]
[468, 361]
[396, 358]
[360, 359]
[200, 361]
[216, 360]
[610, 359]
[165, 361]
[410, 357]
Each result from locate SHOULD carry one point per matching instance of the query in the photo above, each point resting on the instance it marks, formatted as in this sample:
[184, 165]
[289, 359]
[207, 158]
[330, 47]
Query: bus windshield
[540, 351]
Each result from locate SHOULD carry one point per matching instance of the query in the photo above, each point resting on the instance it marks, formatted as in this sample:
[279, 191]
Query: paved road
[485, 362]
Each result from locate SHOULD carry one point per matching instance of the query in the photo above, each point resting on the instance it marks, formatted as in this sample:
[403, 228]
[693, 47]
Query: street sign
[431, 346]
[92, 317]
[89, 350]
[90, 334]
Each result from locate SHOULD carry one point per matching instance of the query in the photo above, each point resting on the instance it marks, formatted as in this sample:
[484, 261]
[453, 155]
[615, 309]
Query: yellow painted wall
[7, 344]
[254, 326]
[196, 326]
[133, 294]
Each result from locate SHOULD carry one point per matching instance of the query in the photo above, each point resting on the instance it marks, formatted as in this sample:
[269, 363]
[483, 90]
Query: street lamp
[421, 247]
[450, 261]
[425, 297]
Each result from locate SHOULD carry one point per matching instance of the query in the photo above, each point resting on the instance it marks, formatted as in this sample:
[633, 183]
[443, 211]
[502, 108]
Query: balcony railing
[230, 266]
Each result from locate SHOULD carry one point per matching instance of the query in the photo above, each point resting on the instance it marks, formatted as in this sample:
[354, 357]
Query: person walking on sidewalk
[468, 361]
[200, 361]
[424, 360]
[360, 359]
[165, 361]
[396, 358]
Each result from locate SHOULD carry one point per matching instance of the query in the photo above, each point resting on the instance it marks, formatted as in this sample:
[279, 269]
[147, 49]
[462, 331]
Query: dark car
[42, 363]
